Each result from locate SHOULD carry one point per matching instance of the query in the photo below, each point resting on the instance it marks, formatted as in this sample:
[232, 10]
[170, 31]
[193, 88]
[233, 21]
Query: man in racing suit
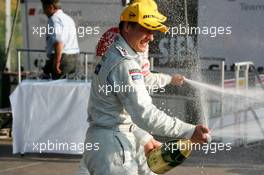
[121, 113]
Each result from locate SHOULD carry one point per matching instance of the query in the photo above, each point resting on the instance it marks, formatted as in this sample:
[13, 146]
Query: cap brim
[161, 17]
[154, 25]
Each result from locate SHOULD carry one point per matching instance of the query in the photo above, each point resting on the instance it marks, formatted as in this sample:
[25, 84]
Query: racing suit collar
[122, 42]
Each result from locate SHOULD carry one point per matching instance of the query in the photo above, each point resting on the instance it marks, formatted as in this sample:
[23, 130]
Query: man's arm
[161, 80]
[157, 79]
[138, 103]
[58, 47]
[153, 79]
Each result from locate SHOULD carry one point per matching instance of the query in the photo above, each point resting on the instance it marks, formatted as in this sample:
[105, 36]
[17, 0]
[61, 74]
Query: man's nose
[150, 36]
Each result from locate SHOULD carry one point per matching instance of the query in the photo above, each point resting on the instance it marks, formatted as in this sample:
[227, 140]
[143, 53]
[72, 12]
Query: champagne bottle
[169, 155]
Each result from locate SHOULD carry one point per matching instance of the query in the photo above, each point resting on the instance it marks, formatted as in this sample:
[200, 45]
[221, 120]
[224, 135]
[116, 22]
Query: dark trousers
[68, 66]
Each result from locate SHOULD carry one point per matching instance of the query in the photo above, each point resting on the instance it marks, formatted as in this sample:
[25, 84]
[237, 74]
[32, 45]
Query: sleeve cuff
[167, 78]
[187, 130]
[145, 139]
[143, 136]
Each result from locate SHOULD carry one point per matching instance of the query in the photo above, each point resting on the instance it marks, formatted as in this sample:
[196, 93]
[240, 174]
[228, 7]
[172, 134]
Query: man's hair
[122, 24]
[54, 3]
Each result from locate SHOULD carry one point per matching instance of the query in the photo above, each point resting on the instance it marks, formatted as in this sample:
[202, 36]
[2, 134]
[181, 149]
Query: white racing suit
[121, 114]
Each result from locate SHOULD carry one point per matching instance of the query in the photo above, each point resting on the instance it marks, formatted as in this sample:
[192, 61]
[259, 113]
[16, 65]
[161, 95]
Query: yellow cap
[145, 12]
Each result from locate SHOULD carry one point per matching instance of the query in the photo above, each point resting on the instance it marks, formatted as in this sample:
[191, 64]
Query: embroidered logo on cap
[132, 15]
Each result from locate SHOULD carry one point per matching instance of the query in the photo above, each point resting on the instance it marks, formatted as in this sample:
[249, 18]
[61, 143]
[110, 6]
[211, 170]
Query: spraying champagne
[171, 154]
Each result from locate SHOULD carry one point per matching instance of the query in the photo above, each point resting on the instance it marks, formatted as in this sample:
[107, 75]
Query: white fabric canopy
[50, 116]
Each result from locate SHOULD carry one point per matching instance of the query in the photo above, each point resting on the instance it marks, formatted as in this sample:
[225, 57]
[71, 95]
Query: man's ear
[126, 27]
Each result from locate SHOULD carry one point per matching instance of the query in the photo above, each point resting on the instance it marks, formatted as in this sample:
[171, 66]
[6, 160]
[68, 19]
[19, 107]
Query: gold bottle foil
[168, 156]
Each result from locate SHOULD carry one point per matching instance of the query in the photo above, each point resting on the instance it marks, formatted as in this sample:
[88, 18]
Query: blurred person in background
[61, 41]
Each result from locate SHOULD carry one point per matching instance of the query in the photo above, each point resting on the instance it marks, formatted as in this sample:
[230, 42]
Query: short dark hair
[122, 24]
[54, 3]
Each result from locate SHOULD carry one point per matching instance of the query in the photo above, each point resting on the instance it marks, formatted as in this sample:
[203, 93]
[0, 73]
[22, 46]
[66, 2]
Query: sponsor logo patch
[136, 77]
[135, 74]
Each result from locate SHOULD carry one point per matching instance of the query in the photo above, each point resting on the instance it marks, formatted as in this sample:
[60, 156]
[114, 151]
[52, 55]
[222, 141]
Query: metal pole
[8, 31]
[86, 67]
[19, 66]
[223, 74]
[245, 128]
[237, 70]
[222, 97]
[246, 76]
[245, 117]
[237, 121]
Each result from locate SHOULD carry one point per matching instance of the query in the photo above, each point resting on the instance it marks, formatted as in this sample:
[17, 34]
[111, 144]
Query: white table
[50, 116]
